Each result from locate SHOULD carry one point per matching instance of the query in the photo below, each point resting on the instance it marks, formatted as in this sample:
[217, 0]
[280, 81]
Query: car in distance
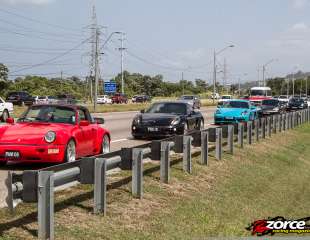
[42, 99]
[119, 98]
[66, 99]
[164, 119]
[53, 133]
[133, 99]
[284, 98]
[297, 103]
[104, 99]
[235, 111]
[272, 106]
[192, 100]
[215, 96]
[142, 99]
[20, 98]
[6, 109]
[223, 99]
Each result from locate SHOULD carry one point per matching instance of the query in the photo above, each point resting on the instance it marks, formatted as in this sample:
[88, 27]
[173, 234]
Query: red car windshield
[52, 114]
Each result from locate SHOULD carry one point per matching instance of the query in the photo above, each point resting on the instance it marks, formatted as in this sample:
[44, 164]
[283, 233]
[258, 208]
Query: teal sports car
[234, 111]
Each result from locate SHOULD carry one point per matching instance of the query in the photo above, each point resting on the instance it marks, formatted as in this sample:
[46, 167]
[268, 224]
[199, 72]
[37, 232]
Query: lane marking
[119, 140]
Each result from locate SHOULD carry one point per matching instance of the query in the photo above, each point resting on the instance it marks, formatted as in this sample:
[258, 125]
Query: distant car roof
[261, 88]
[61, 105]
[238, 100]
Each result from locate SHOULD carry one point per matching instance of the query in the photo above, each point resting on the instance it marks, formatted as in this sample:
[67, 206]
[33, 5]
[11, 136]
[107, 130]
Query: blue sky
[162, 37]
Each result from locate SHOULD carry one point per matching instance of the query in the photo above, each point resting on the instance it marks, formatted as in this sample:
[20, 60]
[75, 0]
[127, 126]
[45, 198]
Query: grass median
[266, 179]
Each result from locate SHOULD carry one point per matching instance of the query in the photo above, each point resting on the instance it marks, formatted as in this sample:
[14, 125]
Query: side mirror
[10, 120]
[84, 123]
[142, 111]
[99, 120]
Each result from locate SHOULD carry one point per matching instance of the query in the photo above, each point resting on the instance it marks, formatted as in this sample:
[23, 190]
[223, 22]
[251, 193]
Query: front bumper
[34, 153]
[156, 131]
[227, 120]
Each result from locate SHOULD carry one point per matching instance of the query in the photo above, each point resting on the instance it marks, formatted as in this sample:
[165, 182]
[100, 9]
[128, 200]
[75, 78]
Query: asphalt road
[119, 124]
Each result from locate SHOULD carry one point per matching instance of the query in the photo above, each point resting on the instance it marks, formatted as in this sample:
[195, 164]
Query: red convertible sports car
[53, 134]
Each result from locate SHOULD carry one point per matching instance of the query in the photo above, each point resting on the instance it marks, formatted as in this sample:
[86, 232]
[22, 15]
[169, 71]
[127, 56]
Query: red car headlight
[50, 136]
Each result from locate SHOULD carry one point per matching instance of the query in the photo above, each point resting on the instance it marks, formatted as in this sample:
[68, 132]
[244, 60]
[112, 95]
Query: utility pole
[293, 84]
[214, 76]
[239, 87]
[61, 73]
[96, 69]
[264, 80]
[182, 79]
[287, 87]
[121, 49]
[258, 76]
[306, 78]
[92, 63]
[225, 76]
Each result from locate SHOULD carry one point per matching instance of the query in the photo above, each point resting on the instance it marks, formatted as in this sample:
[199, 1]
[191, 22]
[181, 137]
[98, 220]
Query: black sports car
[297, 103]
[272, 106]
[164, 119]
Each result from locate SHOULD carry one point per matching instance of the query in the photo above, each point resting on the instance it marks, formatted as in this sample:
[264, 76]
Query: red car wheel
[105, 146]
[70, 154]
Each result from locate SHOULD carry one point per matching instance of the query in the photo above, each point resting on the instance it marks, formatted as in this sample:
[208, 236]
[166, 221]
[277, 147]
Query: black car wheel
[186, 129]
[3, 163]
[201, 125]
[5, 115]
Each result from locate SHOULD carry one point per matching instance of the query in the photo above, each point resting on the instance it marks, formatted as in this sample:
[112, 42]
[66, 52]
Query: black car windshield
[235, 104]
[270, 102]
[51, 114]
[172, 108]
[296, 100]
[187, 97]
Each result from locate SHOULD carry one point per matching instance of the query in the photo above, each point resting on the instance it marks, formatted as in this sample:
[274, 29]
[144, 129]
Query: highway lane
[119, 124]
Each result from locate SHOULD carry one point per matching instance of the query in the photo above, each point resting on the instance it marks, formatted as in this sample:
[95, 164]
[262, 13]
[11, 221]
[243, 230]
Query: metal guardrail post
[285, 121]
[269, 126]
[240, 134]
[46, 205]
[137, 173]
[256, 122]
[230, 139]
[274, 123]
[187, 154]
[280, 117]
[263, 128]
[249, 132]
[204, 147]
[100, 186]
[165, 161]
[218, 143]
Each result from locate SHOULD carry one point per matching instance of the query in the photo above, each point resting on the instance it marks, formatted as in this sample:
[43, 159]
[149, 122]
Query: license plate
[12, 154]
[229, 118]
[152, 129]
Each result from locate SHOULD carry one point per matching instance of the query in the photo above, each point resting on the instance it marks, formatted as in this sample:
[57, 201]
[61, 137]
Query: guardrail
[39, 186]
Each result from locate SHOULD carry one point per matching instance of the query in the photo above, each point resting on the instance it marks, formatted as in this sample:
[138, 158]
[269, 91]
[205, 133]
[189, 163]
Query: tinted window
[54, 114]
[270, 102]
[173, 108]
[235, 104]
[187, 97]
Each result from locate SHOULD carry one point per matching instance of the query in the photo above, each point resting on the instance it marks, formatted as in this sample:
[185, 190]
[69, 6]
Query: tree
[4, 72]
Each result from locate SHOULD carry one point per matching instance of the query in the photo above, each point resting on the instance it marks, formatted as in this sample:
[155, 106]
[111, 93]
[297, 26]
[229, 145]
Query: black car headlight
[176, 121]
[50, 137]
[137, 120]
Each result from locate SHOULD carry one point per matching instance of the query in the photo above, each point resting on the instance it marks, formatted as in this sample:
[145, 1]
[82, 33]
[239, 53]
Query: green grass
[263, 180]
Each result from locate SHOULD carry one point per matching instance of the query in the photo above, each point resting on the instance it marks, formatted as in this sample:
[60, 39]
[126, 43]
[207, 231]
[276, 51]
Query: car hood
[157, 118]
[231, 111]
[29, 133]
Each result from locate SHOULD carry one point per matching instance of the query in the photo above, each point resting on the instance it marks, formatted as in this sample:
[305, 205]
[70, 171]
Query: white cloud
[300, 4]
[34, 2]
[299, 27]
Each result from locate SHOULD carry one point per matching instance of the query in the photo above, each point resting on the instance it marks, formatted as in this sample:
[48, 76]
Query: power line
[37, 21]
[40, 32]
[52, 59]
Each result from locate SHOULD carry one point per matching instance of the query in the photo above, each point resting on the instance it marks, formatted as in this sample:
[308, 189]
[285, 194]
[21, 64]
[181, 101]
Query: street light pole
[264, 70]
[214, 69]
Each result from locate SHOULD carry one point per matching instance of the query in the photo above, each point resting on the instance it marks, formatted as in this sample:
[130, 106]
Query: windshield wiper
[24, 119]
